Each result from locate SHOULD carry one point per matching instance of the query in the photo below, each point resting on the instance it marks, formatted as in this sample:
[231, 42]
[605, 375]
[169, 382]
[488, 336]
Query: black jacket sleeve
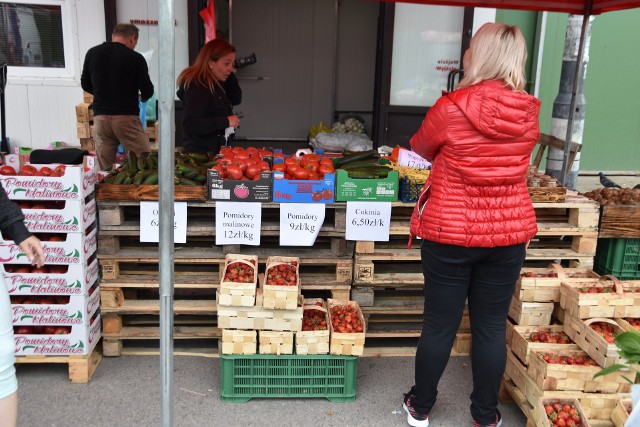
[85, 78]
[144, 81]
[11, 219]
[195, 117]
[232, 89]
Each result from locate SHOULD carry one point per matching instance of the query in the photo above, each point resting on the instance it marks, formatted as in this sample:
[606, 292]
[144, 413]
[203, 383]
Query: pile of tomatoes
[606, 330]
[314, 320]
[39, 330]
[562, 414]
[307, 167]
[532, 274]
[240, 272]
[39, 299]
[577, 359]
[30, 170]
[550, 337]
[45, 269]
[41, 204]
[346, 319]
[633, 322]
[284, 274]
[242, 163]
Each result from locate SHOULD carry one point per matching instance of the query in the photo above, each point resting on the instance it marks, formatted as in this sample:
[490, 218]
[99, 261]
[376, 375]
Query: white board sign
[238, 223]
[412, 159]
[300, 223]
[368, 221]
[150, 222]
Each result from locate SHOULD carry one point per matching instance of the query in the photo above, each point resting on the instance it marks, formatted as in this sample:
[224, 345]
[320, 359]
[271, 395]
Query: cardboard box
[74, 217]
[79, 342]
[76, 281]
[235, 190]
[303, 191]
[375, 190]
[75, 312]
[75, 249]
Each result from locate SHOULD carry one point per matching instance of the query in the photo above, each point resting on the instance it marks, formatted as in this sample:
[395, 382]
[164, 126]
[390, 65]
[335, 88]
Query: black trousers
[485, 277]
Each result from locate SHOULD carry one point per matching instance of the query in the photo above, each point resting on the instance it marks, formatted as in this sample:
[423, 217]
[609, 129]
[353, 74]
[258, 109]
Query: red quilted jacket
[479, 140]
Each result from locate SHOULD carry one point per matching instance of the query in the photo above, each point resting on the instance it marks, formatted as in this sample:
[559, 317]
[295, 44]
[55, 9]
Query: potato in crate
[281, 283]
[238, 280]
[347, 328]
[314, 336]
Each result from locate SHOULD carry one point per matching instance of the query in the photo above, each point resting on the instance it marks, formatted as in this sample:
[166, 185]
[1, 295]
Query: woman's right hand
[234, 121]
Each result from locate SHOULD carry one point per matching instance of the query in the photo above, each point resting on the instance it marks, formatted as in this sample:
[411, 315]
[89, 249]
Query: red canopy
[577, 7]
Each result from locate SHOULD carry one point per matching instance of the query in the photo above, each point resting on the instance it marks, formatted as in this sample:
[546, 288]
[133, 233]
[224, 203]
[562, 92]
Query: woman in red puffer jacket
[475, 217]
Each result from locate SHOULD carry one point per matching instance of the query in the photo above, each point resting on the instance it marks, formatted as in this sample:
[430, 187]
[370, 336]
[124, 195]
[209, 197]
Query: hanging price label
[238, 223]
[150, 222]
[368, 221]
[412, 159]
[300, 223]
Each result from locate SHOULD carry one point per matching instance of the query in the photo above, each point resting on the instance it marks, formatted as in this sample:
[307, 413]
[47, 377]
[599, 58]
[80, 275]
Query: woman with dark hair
[209, 89]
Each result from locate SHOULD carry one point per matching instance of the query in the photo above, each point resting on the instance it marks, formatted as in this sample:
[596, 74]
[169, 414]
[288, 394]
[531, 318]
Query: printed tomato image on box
[65, 340]
[73, 279]
[236, 190]
[50, 310]
[70, 216]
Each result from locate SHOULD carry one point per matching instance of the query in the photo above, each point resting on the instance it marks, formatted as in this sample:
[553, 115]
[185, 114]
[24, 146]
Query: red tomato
[7, 170]
[220, 169]
[40, 270]
[280, 167]
[312, 166]
[46, 171]
[323, 169]
[264, 166]
[252, 171]
[234, 172]
[316, 196]
[301, 173]
[327, 194]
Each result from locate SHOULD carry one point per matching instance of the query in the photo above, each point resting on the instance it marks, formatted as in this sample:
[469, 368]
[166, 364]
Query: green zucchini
[151, 179]
[359, 156]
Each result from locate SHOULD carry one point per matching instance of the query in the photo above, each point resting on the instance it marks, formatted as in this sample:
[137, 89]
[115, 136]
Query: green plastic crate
[619, 258]
[244, 377]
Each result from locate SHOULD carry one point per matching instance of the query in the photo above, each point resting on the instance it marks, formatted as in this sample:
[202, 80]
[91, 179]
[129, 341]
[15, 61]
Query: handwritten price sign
[238, 223]
[368, 221]
[150, 222]
[300, 223]
[411, 159]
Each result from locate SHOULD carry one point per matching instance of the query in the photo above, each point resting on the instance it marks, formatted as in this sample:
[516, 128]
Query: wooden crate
[132, 192]
[548, 194]
[625, 325]
[606, 354]
[347, 344]
[275, 342]
[314, 342]
[620, 221]
[281, 297]
[522, 347]
[259, 317]
[81, 368]
[543, 284]
[84, 112]
[239, 294]
[598, 407]
[621, 411]
[550, 376]
[540, 416]
[238, 342]
[530, 313]
[622, 301]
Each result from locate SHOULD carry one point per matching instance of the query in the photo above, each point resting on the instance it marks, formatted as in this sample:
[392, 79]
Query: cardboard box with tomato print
[47, 182]
[236, 190]
[54, 310]
[73, 279]
[62, 216]
[69, 248]
[76, 340]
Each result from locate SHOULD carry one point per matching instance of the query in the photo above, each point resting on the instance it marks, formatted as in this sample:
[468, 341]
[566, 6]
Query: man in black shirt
[117, 75]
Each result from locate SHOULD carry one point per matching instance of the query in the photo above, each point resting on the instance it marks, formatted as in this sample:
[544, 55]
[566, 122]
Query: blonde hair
[498, 52]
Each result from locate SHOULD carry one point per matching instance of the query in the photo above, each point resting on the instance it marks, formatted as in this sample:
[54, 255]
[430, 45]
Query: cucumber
[361, 164]
[133, 163]
[356, 157]
[141, 176]
[151, 179]
[119, 179]
[185, 181]
[362, 175]
[127, 181]
[199, 157]
[200, 179]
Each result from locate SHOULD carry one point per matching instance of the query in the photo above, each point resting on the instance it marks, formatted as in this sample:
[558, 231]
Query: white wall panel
[52, 114]
[18, 122]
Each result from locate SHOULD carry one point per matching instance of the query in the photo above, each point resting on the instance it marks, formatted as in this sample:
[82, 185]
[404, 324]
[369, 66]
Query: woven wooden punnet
[238, 342]
[276, 342]
[259, 317]
[239, 294]
[540, 416]
[598, 407]
[522, 347]
[543, 284]
[530, 313]
[604, 353]
[281, 297]
[620, 413]
[621, 301]
[552, 376]
[313, 342]
[347, 344]
[626, 325]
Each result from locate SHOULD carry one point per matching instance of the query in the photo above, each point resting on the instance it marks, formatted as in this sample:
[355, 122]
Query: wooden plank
[153, 307]
[146, 192]
[81, 368]
[620, 221]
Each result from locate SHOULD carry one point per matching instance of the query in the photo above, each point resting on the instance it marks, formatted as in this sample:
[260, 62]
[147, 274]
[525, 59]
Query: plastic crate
[263, 375]
[410, 190]
[618, 257]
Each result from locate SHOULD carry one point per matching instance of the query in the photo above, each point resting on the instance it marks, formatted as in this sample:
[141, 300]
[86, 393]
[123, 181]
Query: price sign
[412, 159]
[300, 223]
[368, 221]
[150, 222]
[238, 223]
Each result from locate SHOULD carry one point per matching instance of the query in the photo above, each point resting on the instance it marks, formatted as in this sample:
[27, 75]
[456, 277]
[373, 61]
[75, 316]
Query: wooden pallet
[81, 368]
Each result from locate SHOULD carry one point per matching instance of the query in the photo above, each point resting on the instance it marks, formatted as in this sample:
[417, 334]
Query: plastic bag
[634, 416]
[341, 141]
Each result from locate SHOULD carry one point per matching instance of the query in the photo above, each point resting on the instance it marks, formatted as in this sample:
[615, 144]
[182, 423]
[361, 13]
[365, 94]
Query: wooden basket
[620, 413]
[550, 376]
[543, 284]
[259, 317]
[313, 342]
[347, 344]
[530, 313]
[604, 353]
[586, 305]
[276, 342]
[625, 325]
[598, 407]
[238, 294]
[238, 342]
[522, 346]
[540, 416]
[280, 297]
